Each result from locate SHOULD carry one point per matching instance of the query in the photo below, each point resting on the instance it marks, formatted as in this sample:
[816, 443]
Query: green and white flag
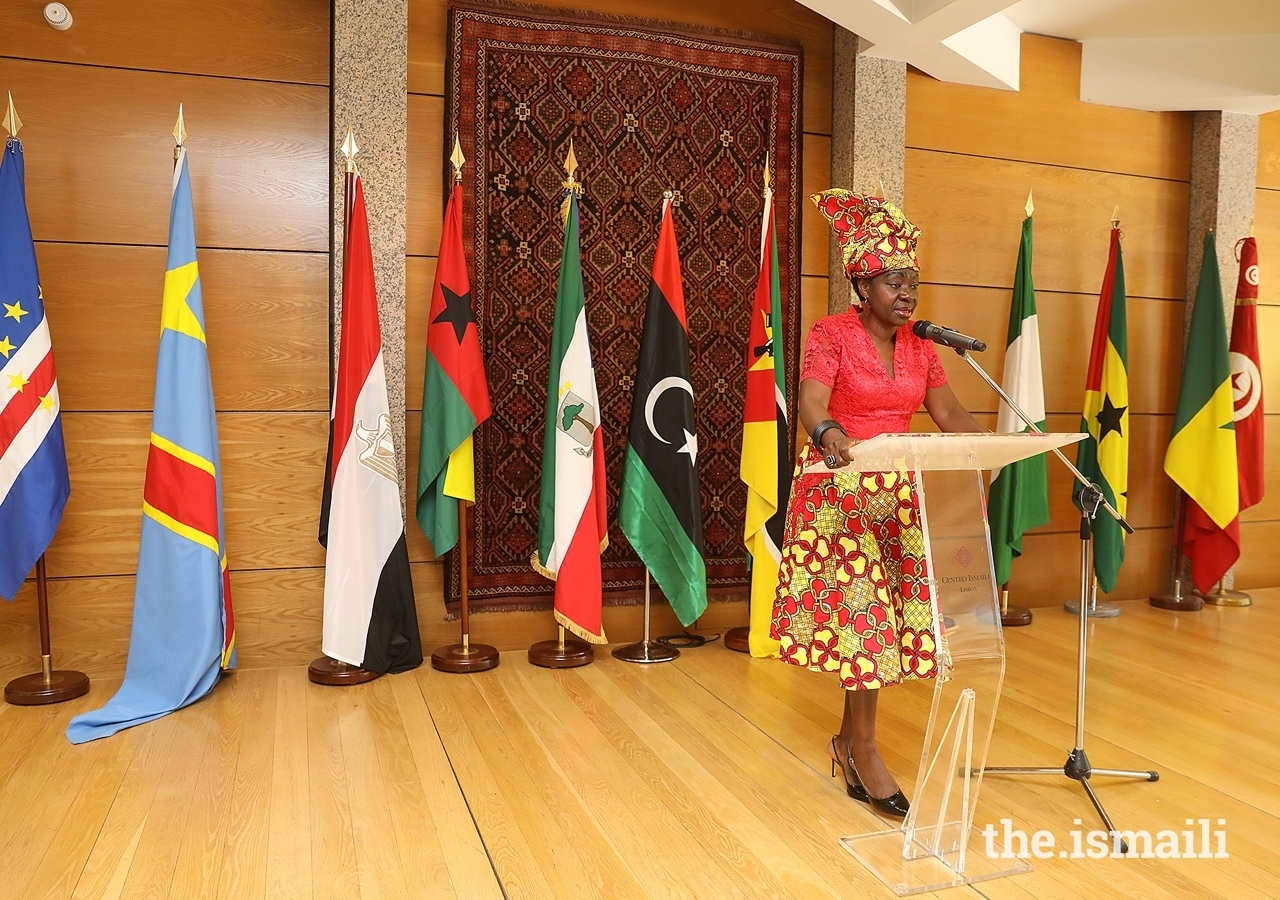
[1019, 499]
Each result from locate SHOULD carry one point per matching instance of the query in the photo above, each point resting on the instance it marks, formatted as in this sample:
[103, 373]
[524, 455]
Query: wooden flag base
[738, 639]
[334, 671]
[1014, 616]
[462, 658]
[1177, 602]
[36, 690]
[556, 655]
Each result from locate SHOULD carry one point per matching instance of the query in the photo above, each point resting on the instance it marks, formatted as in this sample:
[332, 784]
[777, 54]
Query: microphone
[947, 336]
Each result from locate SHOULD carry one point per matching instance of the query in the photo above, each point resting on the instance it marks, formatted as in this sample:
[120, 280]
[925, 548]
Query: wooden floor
[705, 778]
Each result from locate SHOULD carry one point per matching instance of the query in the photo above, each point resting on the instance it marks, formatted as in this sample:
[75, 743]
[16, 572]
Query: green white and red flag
[572, 522]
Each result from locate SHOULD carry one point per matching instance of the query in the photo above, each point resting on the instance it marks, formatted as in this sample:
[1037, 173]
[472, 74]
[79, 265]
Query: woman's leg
[858, 739]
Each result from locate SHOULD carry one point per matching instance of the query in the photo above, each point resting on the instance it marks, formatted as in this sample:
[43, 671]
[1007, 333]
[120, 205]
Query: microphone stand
[1090, 498]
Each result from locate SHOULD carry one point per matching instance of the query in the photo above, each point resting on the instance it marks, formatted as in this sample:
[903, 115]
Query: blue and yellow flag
[183, 633]
[34, 483]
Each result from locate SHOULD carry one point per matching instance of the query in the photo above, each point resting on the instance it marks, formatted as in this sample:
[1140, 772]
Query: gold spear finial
[457, 158]
[1030, 207]
[11, 121]
[350, 149]
[1251, 226]
[179, 129]
[572, 186]
[571, 165]
[880, 183]
[1115, 217]
[768, 175]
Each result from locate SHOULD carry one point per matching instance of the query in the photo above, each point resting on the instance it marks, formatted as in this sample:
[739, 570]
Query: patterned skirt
[853, 596]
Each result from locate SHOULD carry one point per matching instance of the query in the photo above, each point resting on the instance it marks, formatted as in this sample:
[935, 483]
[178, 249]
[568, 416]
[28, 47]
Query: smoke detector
[58, 16]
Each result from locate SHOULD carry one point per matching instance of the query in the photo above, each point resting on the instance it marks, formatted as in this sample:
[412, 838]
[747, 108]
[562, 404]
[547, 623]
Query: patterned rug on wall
[651, 107]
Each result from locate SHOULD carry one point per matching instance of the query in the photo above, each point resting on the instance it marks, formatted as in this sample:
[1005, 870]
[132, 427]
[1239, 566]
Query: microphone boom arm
[1090, 488]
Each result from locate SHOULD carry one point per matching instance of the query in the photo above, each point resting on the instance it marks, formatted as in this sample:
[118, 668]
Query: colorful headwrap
[875, 237]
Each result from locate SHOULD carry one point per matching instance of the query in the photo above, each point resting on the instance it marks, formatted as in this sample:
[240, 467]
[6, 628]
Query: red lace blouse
[864, 399]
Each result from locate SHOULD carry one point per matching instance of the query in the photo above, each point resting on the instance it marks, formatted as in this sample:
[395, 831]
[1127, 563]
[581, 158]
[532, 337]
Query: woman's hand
[837, 449]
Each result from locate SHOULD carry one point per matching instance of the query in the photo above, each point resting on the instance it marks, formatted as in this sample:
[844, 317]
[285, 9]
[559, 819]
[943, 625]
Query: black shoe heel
[853, 788]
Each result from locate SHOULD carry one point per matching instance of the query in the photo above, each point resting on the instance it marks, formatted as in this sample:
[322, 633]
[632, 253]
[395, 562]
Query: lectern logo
[964, 557]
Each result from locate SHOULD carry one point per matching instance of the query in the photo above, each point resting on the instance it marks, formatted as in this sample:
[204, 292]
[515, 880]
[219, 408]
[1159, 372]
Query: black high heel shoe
[895, 805]
[853, 788]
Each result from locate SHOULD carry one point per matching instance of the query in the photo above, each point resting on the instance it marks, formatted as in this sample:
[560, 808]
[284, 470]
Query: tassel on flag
[572, 525]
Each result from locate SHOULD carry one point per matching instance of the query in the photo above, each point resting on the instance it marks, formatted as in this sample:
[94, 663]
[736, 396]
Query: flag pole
[45, 686]
[739, 638]
[463, 657]
[1175, 599]
[466, 656]
[646, 650]
[326, 669]
[564, 653]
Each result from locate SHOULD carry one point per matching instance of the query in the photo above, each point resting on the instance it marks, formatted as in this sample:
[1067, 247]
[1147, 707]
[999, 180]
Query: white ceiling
[1143, 54]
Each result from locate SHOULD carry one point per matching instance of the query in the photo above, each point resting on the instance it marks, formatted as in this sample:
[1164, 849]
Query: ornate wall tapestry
[650, 107]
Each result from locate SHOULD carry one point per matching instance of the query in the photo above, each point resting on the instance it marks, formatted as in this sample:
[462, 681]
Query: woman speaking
[853, 599]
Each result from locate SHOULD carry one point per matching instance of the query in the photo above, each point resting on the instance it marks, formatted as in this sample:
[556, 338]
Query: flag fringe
[570, 625]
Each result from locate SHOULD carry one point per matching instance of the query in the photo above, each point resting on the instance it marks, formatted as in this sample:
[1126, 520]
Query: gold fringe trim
[587, 636]
[540, 568]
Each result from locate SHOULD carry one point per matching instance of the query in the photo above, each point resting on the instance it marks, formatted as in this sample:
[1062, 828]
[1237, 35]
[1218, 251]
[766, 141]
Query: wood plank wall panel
[98, 103]
[273, 472]
[1046, 122]
[99, 166]
[1259, 565]
[969, 210]
[972, 156]
[265, 315]
[1266, 226]
[283, 40]
[1269, 151]
[1155, 328]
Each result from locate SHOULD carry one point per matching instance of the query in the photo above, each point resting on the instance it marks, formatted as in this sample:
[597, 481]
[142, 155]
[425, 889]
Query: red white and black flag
[369, 616]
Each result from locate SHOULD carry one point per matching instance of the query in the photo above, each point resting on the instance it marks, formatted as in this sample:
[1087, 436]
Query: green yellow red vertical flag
[1202, 450]
[766, 465]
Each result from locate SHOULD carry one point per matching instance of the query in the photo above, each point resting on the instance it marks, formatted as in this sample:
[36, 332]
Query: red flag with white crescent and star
[1246, 379]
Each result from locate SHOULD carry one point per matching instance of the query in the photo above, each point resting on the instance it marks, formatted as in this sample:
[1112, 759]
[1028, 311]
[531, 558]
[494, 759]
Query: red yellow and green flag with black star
[1103, 457]
[455, 392]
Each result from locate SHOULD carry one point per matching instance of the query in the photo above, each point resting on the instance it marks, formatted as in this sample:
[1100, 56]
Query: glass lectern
[937, 845]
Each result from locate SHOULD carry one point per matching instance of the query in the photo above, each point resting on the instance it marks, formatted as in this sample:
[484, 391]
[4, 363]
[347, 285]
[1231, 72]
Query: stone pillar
[369, 92]
[1224, 170]
[1224, 175]
[868, 136]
